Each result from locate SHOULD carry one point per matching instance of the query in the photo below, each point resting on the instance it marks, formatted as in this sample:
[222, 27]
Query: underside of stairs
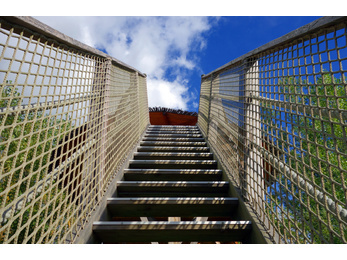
[173, 192]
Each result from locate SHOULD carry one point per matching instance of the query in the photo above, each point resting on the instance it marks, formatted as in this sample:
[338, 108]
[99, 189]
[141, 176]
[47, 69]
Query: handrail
[306, 109]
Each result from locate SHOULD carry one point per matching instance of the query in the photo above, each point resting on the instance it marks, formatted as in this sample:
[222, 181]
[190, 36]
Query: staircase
[172, 192]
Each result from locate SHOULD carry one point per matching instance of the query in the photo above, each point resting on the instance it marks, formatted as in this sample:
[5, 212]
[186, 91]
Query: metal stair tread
[173, 148]
[172, 174]
[173, 161]
[182, 171]
[172, 132]
[173, 200]
[173, 183]
[173, 143]
[168, 129]
[171, 153]
[163, 231]
[175, 155]
[172, 206]
[175, 139]
[173, 135]
[235, 224]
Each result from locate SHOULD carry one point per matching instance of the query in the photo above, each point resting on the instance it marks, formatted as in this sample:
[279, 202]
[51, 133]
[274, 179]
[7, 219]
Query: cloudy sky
[174, 51]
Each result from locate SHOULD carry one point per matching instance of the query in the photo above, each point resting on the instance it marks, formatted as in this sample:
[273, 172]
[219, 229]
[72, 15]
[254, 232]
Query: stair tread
[172, 174]
[179, 133]
[173, 200]
[173, 148]
[168, 143]
[172, 188]
[173, 161]
[173, 127]
[173, 130]
[173, 183]
[163, 231]
[172, 155]
[174, 135]
[175, 139]
[172, 206]
[235, 224]
[174, 171]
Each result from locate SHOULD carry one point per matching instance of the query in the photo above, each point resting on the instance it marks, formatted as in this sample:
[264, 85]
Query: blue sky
[234, 36]
[175, 51]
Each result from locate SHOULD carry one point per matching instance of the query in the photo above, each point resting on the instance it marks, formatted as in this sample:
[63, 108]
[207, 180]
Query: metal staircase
[172, 192]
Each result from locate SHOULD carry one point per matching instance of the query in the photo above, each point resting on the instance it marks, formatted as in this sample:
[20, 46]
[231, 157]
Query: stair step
[173, 127]
[173, 135]
[178, 132]
[174, 139]
[172, 188]
[173, 164]
[172, 207]
[167, 143]
[173, 132]
[172, 175]
[163, 231]
[198, 149]
[172, 156]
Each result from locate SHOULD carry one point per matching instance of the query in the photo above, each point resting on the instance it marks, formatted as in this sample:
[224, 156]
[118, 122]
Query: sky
[174, 51]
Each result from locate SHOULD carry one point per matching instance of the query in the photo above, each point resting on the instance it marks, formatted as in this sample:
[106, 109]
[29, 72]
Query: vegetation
[171, 110]
[25, 148]
[316, 150]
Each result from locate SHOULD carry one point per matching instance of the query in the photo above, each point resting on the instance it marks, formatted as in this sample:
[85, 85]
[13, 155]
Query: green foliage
[9, 94]
[27, 139]
[317, 150]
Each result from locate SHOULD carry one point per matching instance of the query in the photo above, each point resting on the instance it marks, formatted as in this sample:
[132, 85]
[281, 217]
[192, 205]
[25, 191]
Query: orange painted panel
[167, 118]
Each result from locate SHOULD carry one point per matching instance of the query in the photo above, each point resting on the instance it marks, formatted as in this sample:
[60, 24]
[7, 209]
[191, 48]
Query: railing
[277, 120]
[69, 117]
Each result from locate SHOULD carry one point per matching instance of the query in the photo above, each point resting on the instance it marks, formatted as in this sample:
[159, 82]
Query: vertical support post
[137, 82]
[254, 180]
[255, 189]
[93, 125]
[98, 122]
[105, 111]
[209, 109]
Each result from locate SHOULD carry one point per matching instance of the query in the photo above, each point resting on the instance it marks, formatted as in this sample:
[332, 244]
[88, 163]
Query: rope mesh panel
[277, 121]
[68, 120]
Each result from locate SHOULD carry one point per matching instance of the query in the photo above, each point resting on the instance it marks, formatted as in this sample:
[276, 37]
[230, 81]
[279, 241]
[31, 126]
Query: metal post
[209, 109]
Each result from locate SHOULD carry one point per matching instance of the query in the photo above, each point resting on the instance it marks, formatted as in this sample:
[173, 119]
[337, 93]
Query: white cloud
[153, 45]
[183, 62]
[167, 94]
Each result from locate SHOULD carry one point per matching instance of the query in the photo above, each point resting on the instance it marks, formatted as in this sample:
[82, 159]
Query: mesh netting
[68, 120]
[277, 120]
